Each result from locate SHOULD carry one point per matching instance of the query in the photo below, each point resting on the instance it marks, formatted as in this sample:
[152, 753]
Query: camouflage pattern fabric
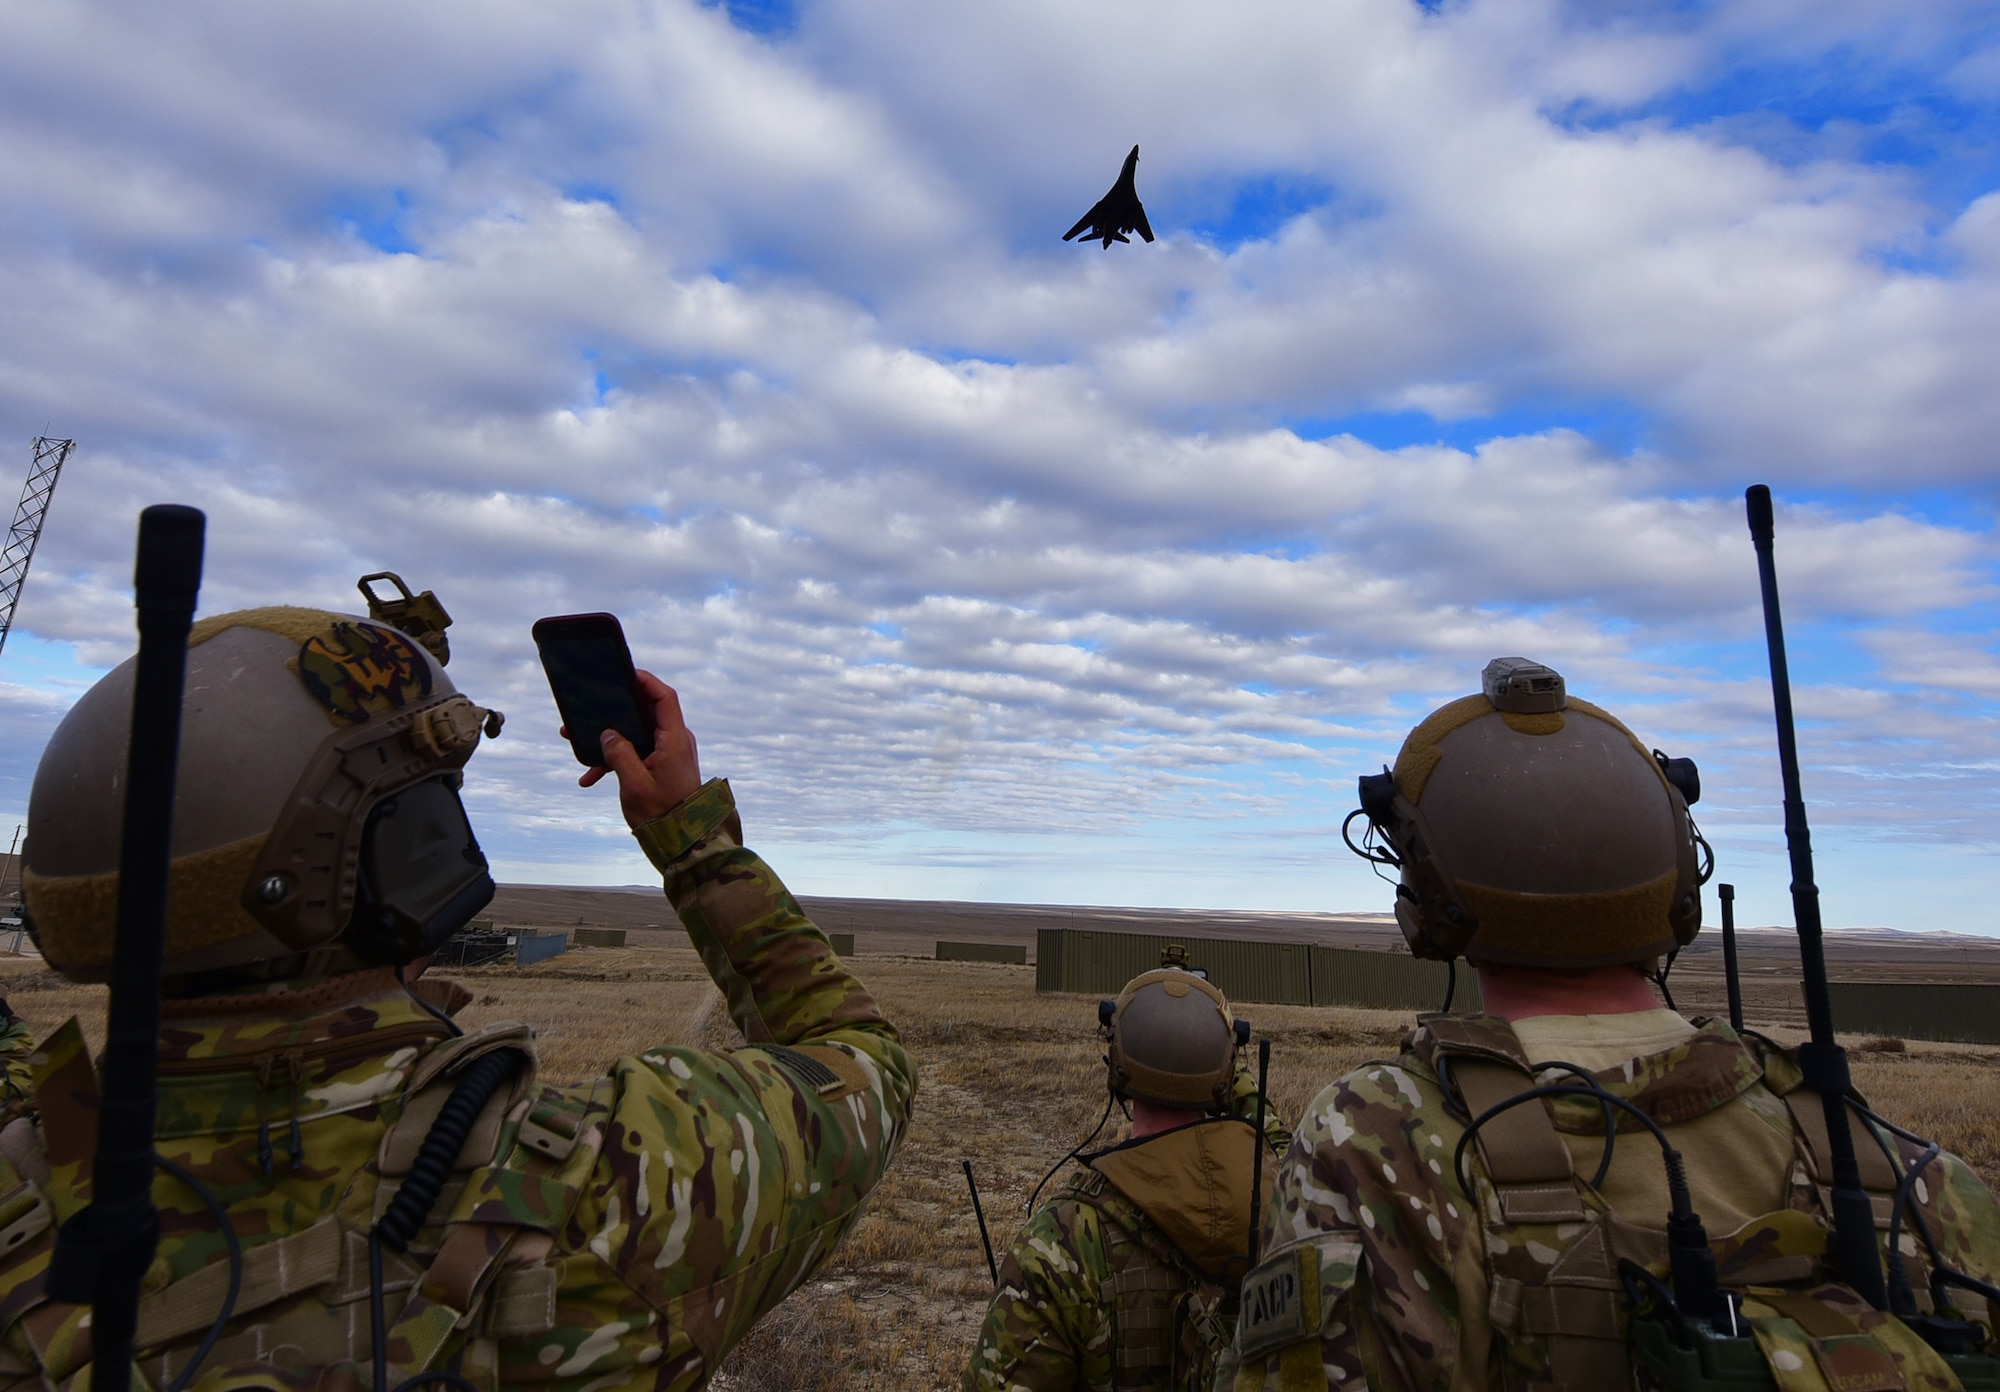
[1389, 1277]
[619, 1233]
[16, 1044]
[1050, 1325]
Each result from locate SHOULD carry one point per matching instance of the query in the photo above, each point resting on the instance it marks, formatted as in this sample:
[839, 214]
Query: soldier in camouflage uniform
[621, 1232]
[1127, 1279]
[1537, 837]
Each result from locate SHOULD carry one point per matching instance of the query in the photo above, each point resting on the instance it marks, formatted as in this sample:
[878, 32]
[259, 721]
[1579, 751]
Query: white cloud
[955, 534]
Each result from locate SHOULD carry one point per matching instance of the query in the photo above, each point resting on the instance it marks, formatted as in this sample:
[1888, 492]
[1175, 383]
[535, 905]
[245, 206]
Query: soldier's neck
[1521, 993]
[1149, 1120]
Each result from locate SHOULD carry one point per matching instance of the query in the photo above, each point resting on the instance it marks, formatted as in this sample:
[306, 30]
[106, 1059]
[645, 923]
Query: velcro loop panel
[1540, 1203]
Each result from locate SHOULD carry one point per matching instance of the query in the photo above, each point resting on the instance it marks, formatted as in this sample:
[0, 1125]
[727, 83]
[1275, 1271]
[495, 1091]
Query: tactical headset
[1434, 915]
[1157, 1051]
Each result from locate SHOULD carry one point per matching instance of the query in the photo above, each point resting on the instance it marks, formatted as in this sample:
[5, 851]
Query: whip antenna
[1823, 1062]
[1257, 1153]
[103, 1252]
[1727, 894]
[992, 1268]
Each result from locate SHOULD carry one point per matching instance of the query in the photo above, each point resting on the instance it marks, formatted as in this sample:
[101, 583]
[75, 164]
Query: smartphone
[596, 689]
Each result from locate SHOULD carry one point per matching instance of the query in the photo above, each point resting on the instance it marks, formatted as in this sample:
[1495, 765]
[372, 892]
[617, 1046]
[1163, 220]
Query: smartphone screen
[590, 671]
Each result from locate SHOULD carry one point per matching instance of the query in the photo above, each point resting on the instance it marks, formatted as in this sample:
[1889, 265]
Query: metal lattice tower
[27, 529]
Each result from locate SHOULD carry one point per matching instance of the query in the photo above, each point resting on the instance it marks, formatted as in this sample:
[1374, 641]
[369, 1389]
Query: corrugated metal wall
[1281, 973]
[1014, 954]
[1916, 1010]
[1388, 981]
[531, 947]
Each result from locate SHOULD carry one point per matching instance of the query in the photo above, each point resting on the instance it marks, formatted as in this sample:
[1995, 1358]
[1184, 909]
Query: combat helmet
[1172, 1040]
[317, 822]
[1533, 829]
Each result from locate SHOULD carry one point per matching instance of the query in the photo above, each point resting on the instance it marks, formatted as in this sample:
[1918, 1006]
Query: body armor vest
[479, 1271]
[1169, 1322]
[1558, 1305]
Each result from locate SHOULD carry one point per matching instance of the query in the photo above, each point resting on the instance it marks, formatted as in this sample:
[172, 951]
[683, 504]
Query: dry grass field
[1010, 1081]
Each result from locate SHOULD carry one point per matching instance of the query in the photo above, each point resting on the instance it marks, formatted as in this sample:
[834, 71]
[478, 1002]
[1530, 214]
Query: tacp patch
[358, 669]
[1280, 1303]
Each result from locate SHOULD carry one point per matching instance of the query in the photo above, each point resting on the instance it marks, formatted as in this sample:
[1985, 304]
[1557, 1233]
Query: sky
[994, 567]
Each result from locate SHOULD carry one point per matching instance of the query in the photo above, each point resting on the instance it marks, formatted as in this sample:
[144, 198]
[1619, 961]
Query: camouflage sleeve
[1358, 1287]
[17, 1086]
[725, 1179]
[1964, 1217]
[1243, 1103]
[1048, 1325]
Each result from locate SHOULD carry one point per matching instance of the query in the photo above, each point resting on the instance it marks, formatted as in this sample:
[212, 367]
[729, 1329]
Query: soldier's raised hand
[653, 786]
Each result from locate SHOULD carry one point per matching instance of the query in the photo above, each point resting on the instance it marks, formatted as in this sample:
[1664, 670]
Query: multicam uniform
[618, 1233]
[16, 1043]
[1108, 1289]
[1383, 1275]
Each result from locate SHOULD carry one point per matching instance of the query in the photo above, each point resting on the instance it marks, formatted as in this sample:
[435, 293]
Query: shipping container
[1968, 1013]
[843, 944]
[598, 937]
[1014, 954]
[531, 947]
[1099, 963]
[1390, 981]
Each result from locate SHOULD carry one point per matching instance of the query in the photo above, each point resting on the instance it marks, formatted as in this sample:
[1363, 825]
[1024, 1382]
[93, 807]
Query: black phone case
[574, 706]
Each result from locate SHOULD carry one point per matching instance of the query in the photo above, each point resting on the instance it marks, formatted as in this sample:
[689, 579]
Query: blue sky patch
[375, 218]
[1232, 212]
[762, 17]
[1618, 427]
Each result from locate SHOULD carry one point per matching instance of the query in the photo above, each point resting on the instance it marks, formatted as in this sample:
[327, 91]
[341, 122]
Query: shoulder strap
[1479, 1058]
[1783, 1076]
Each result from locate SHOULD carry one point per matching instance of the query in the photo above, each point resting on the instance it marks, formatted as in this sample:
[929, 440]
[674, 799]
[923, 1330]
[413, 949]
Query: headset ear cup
[1435, 922]
[1684, 913]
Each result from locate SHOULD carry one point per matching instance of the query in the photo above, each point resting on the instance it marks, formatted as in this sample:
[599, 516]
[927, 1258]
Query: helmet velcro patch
[356, 669]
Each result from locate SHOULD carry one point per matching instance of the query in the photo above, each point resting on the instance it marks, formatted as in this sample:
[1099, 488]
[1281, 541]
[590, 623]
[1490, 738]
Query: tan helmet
[317, 824]
[1173, 1041]
[1533, 829]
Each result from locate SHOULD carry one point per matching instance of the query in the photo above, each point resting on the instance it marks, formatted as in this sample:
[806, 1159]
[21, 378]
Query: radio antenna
[1823, 1062]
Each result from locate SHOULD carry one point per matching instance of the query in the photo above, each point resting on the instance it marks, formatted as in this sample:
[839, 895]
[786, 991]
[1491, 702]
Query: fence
[1917, 1010]
[471, 947]
[598, 937]
[531, 947]
[1276, 973]
[1015, 954]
